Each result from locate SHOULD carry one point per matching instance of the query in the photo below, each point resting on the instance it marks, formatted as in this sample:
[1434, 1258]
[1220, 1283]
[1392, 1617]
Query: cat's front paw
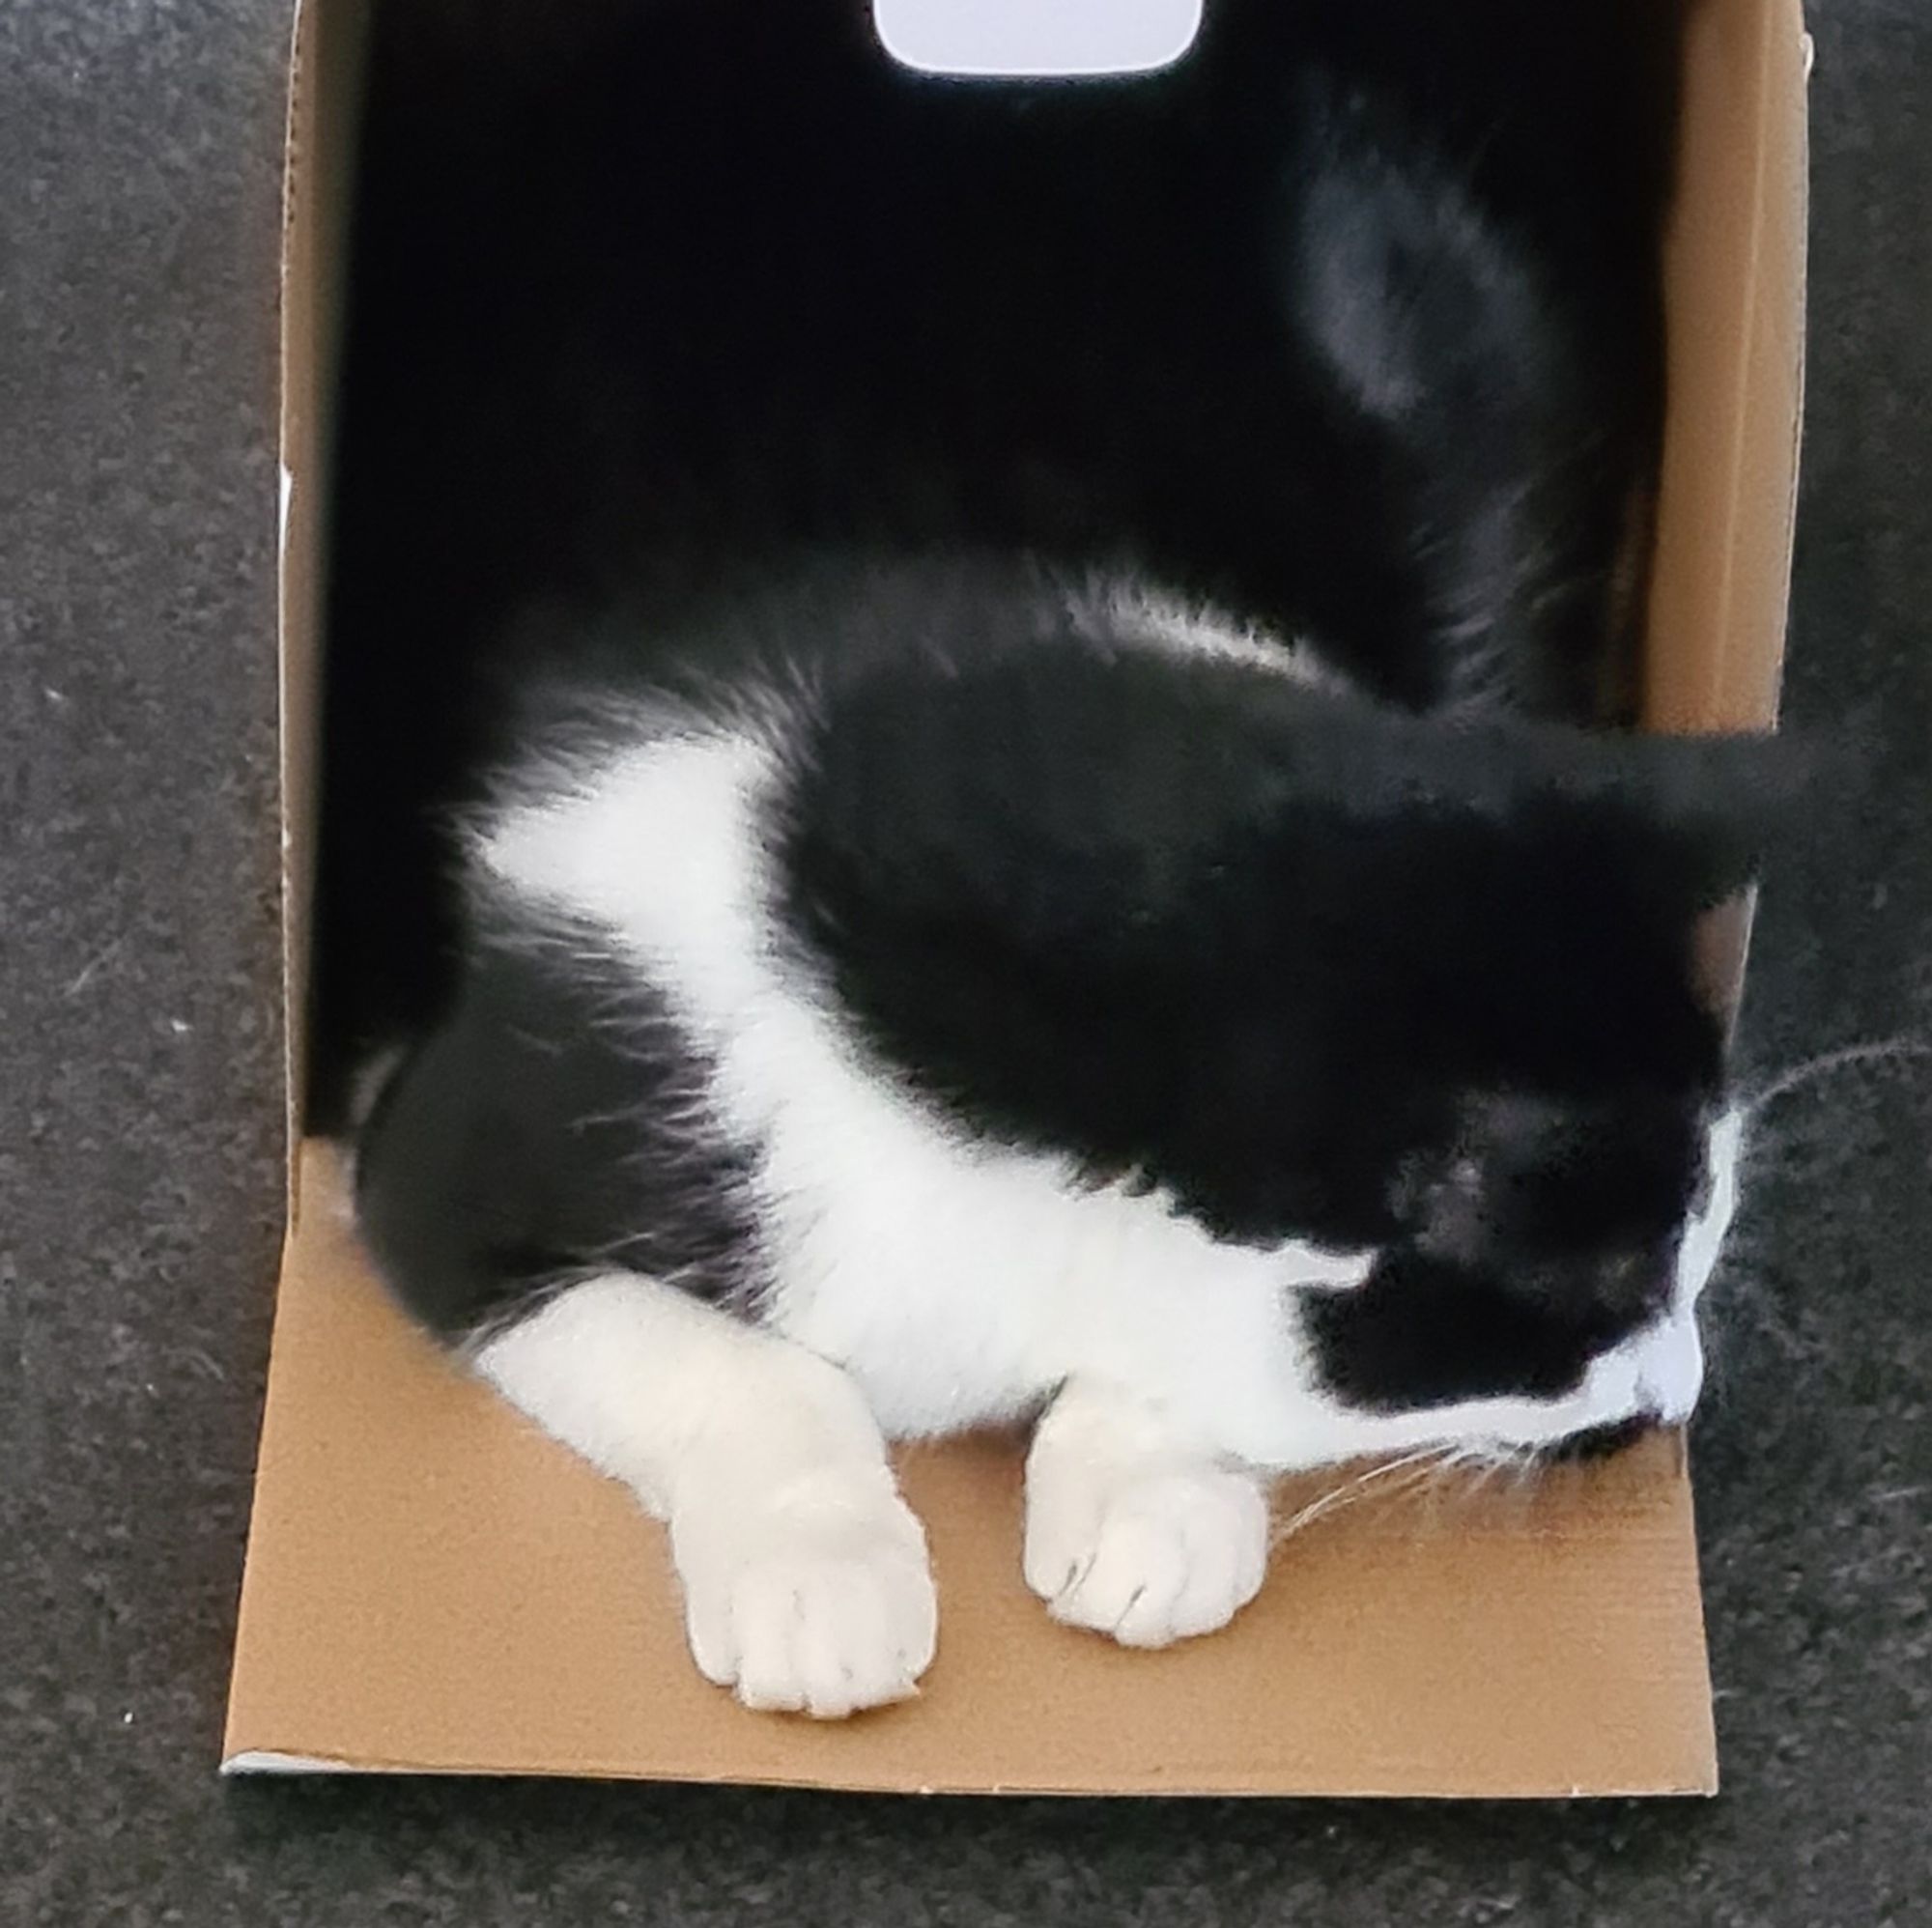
[1149, 1555]
[824, 1609]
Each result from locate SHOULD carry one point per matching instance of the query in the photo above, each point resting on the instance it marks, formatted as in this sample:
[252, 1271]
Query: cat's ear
[1699, 814]
[1710, 810]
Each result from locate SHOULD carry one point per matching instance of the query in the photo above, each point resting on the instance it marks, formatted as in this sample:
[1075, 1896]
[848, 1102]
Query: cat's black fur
[557, 1114]
[1242, 937]
[639, 290]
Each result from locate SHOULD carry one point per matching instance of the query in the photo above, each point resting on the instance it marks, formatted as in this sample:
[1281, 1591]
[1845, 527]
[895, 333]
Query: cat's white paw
[1149, 1555]
[822, 1610]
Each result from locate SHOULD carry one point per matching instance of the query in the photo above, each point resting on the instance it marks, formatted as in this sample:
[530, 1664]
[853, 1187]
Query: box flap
[432, 1585]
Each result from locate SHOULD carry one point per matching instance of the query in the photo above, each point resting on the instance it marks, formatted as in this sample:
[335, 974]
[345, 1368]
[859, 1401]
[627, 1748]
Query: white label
[1037, 39]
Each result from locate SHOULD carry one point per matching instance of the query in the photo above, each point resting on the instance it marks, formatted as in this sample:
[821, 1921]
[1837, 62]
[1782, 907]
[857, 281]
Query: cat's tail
[1512, 426]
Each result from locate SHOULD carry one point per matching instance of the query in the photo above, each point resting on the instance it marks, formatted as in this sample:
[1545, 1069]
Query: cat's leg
[1133, 1529]
[805, 1576]
[545, 1188]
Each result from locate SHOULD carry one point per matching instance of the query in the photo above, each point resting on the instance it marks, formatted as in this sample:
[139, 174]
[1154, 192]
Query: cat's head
[1412, 1002]
[1465, 1038]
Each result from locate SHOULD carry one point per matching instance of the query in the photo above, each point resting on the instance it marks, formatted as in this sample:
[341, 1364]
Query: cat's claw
[1148, 1554]
[823, 1612]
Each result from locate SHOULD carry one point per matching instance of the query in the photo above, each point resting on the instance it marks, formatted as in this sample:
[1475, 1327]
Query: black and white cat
[1003, 941]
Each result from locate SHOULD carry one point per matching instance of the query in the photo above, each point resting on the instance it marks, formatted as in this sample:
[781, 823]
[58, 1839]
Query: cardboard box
[431, 1586]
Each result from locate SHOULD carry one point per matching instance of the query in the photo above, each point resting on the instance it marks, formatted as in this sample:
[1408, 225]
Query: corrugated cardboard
[431, 1586]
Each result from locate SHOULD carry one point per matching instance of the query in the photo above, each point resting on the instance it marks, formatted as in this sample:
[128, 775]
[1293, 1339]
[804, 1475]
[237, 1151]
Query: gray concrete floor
[139, 1148]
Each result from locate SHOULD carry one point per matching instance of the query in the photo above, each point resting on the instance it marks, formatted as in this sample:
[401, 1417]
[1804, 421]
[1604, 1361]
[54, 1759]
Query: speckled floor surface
[139, 1155]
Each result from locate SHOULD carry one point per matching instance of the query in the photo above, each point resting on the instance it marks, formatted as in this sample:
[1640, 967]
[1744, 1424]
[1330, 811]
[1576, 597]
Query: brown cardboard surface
[432, 1586]
[1734, 268]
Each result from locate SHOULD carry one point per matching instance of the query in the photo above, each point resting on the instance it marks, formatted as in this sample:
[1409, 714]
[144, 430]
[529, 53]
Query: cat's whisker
[1352, 1491]
[1906, 1047]
[1416, 1481]
[1459, 1474]
[1485, 1475]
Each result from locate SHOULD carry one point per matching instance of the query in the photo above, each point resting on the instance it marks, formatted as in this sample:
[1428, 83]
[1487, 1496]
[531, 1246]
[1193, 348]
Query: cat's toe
[824, 1617]
[1156, 1558]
